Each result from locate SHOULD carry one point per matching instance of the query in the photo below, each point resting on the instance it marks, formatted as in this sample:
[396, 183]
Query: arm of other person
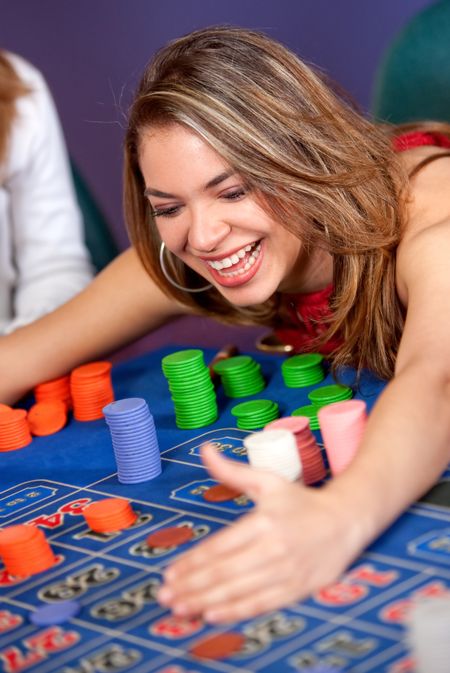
[50, 260]
[120, 305]
[299, 539]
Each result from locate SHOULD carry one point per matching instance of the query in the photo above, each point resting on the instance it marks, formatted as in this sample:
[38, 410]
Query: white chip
[275, 451]
[429, 634]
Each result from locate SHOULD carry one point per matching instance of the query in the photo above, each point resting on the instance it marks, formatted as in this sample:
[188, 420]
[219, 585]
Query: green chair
[413, 80]
[98, 237]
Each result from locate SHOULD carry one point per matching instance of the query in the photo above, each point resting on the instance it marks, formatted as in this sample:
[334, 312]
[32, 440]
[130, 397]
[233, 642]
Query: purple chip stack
[134, 440]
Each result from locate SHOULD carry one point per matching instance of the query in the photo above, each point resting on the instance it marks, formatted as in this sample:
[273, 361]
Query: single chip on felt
[220, 493]
[48, 615]
[170, 537]
[219, 646]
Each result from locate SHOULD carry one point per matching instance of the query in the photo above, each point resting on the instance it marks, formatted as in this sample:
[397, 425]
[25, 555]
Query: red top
[310, 312]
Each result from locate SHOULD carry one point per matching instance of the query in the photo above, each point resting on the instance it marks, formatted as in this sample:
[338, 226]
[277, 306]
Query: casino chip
[134, 440]
[56, 389]
[50, 615]
[320, 397]
[309, 451]
[91, 389]
[191, 389]
[342, 425]
[109, 515]
[240, 376]
[14, 429]
[309, 411]
[274, 451]
[428, 629]
[170, 537]
[303, 370]
[220, 493]
[25, 550]
[255, 414]
[218, 646]
[46, 418]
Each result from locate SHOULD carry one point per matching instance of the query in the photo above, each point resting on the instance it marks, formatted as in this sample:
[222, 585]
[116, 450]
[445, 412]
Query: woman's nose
[206, 231]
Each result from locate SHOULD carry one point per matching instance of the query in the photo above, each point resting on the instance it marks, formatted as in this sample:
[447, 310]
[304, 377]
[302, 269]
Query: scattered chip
[220, 493]
[109, 515]
[49, 615]
[170, 537]
[219, 646]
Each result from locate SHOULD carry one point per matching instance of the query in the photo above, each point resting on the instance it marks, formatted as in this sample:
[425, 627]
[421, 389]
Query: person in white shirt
[43, 259]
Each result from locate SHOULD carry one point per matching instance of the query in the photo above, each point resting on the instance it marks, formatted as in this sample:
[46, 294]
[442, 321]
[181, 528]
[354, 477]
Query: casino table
[357, 625]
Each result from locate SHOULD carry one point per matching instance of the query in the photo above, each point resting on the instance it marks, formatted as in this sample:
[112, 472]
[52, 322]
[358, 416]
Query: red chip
[170, 537]
[219, 646]
[220, 493]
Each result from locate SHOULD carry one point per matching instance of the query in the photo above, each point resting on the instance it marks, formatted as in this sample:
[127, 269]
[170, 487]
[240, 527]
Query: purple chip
[48, 615]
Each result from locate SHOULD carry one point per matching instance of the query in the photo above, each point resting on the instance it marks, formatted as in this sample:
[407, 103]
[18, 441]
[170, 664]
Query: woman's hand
[296, 540]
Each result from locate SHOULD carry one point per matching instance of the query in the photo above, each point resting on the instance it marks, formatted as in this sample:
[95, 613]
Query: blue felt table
[357, 625]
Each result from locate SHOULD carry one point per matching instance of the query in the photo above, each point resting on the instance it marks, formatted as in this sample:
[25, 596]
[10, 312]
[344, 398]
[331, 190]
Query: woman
[250, 191]
[43, 261]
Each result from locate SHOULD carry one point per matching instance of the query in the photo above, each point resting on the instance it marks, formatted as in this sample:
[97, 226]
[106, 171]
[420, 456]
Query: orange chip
[220, 493]
[4, 407]
[92, 369]
[46, 418]
[109, 515]
[170, 537]
[219, 646]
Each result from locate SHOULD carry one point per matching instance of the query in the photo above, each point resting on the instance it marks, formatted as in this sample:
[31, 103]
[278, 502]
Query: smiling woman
[277, 203]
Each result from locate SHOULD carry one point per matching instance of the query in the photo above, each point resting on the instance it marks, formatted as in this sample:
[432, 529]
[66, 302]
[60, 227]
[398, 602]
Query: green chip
[303, 361]
[310, 412]
[252, 407]
[329, 394]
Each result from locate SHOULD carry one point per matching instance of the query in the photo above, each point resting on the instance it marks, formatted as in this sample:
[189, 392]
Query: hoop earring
[171, 281]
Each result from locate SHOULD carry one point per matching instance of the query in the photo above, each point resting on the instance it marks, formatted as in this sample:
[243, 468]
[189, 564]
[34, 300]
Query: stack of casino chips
[428, 630]
[191, 389]
[308, 411]
[25, 550]
[56, 389]
[309, 451]
[14, 429]
[134, 440]
[274, 451]
[91, 389]
[240, 375]
[109, 515]
[300, 371]
[320, 397]
[46, 418]
[342, 425]
[255, 414]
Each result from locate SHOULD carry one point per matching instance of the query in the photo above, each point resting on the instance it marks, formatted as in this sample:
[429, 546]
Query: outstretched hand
[295, 541]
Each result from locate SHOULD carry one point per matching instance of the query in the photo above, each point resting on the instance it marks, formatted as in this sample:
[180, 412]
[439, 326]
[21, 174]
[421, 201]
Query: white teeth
[247, 266]
[227, 262]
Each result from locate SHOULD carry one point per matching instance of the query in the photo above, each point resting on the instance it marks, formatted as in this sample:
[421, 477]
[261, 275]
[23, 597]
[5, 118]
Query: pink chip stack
[342, 425]
[308, 449]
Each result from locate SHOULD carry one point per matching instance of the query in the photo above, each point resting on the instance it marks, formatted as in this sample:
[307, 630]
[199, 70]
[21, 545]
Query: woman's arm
[297, 540]
[121, 304]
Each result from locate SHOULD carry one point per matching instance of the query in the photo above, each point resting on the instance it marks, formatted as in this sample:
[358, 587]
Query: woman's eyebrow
[149, 191]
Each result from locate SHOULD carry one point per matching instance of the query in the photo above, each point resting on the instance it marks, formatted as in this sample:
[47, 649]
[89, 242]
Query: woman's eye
[235, 194]
[165, 212]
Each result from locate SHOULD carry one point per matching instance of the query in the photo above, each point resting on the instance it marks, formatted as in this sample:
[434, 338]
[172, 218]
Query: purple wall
[92, 53]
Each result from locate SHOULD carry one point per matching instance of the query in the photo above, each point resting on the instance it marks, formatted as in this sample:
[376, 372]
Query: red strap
[408, 141]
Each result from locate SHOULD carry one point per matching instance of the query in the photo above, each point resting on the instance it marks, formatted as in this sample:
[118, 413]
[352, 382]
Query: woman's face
[207, 217]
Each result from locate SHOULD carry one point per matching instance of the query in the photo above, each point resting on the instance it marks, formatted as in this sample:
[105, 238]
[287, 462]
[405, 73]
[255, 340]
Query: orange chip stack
[91, 389]
[25, 550]
[56, 389]
[4, 407]
[46, 418]
[14, 429]
[109, 515]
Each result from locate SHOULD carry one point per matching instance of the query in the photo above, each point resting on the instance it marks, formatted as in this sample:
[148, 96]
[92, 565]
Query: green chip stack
[320, 397]
[240, 375]
[310, 412]
[255, 414]
[191, 389]
[300, 371]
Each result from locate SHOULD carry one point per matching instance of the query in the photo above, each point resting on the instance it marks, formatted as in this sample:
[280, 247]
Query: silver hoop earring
[171, 281]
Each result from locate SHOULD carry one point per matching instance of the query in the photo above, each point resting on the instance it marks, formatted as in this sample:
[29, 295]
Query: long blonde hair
[325, 173]
[11, 87]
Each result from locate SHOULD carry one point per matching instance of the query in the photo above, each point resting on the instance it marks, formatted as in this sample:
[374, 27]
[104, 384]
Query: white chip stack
[275, 451]
[429, 634]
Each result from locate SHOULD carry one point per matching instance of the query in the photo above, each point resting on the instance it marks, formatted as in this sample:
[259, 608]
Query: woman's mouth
[237, 268]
